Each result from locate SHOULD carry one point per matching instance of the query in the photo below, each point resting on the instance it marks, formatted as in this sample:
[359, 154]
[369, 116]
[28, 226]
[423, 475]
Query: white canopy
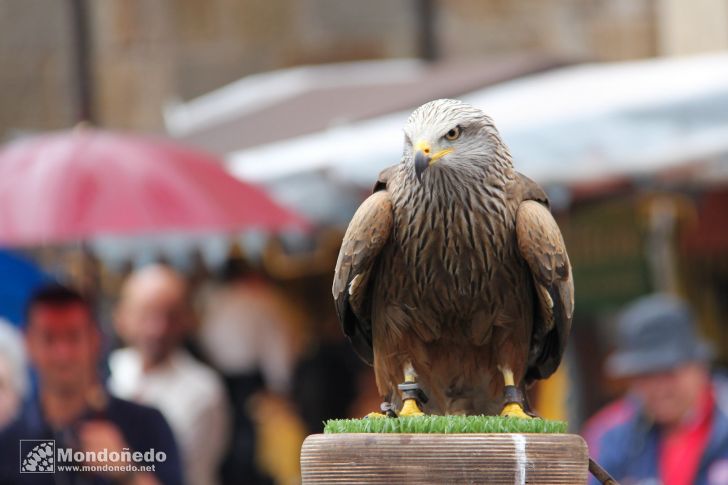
[575, 123]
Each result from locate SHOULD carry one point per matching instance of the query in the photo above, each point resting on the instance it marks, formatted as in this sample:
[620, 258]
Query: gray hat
[655, 333]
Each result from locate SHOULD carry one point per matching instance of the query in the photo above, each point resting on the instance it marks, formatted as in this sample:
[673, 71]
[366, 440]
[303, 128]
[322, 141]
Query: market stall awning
[562, 126]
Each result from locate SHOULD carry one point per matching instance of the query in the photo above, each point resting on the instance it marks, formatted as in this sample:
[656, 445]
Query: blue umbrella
[18, 279]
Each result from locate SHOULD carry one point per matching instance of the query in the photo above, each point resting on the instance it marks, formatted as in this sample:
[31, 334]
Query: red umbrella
[85, 183]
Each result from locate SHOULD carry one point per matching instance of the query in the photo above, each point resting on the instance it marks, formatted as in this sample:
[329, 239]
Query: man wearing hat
[672, 427]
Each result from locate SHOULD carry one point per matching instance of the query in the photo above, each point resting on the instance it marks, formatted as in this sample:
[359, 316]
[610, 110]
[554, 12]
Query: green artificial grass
[444, 424]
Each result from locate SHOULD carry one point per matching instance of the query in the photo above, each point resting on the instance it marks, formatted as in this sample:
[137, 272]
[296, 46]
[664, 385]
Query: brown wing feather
[542, 246]
[368, 232]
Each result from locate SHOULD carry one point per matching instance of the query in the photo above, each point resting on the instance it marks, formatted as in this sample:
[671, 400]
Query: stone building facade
[144, 53]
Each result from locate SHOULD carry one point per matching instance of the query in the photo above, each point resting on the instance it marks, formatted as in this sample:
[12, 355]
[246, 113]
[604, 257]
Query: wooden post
[497, 458]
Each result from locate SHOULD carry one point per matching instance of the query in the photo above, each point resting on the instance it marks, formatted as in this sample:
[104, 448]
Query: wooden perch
[497, 458]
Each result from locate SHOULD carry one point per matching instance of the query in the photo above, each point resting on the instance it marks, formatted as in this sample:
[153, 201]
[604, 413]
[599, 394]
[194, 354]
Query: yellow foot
[375, 415]
[514, 410]
[410, 408]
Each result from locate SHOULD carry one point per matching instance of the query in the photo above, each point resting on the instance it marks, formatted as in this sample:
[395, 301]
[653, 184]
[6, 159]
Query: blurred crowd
[220, 375]
[217, 373]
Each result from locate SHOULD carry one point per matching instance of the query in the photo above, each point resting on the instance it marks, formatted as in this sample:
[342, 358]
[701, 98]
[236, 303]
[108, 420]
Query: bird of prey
[453, 276]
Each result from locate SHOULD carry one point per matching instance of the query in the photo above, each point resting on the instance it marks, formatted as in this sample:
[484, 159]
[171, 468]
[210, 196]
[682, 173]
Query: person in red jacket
[672, 426]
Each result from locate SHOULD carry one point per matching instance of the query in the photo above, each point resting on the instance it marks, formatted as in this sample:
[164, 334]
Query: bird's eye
[454, 133]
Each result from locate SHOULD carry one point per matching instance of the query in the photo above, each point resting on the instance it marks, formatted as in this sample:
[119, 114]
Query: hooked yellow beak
[424, 157]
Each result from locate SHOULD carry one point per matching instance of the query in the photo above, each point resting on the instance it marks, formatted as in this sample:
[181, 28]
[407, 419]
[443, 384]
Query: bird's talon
[388, 409]
[410, 408]
[514, 410]
[375, 415]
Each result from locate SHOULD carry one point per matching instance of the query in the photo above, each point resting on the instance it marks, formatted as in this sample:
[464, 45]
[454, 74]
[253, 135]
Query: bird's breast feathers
[453, 249]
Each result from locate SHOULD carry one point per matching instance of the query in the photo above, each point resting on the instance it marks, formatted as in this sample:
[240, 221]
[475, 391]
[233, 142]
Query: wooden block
[366, 458]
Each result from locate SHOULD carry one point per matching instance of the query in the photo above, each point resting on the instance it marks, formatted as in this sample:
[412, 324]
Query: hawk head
[449, 133]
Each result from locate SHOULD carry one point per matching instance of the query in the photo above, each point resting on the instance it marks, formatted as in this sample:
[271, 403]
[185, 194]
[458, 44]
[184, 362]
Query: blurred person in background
[71, 405]
[249, 328]
[672, 426]
[13, 374]
[251, 333]
[331, 381]
[153, 318]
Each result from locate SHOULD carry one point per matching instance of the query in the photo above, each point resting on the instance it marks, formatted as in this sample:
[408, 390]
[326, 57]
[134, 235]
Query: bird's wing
[365, 237]
[542, 247]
